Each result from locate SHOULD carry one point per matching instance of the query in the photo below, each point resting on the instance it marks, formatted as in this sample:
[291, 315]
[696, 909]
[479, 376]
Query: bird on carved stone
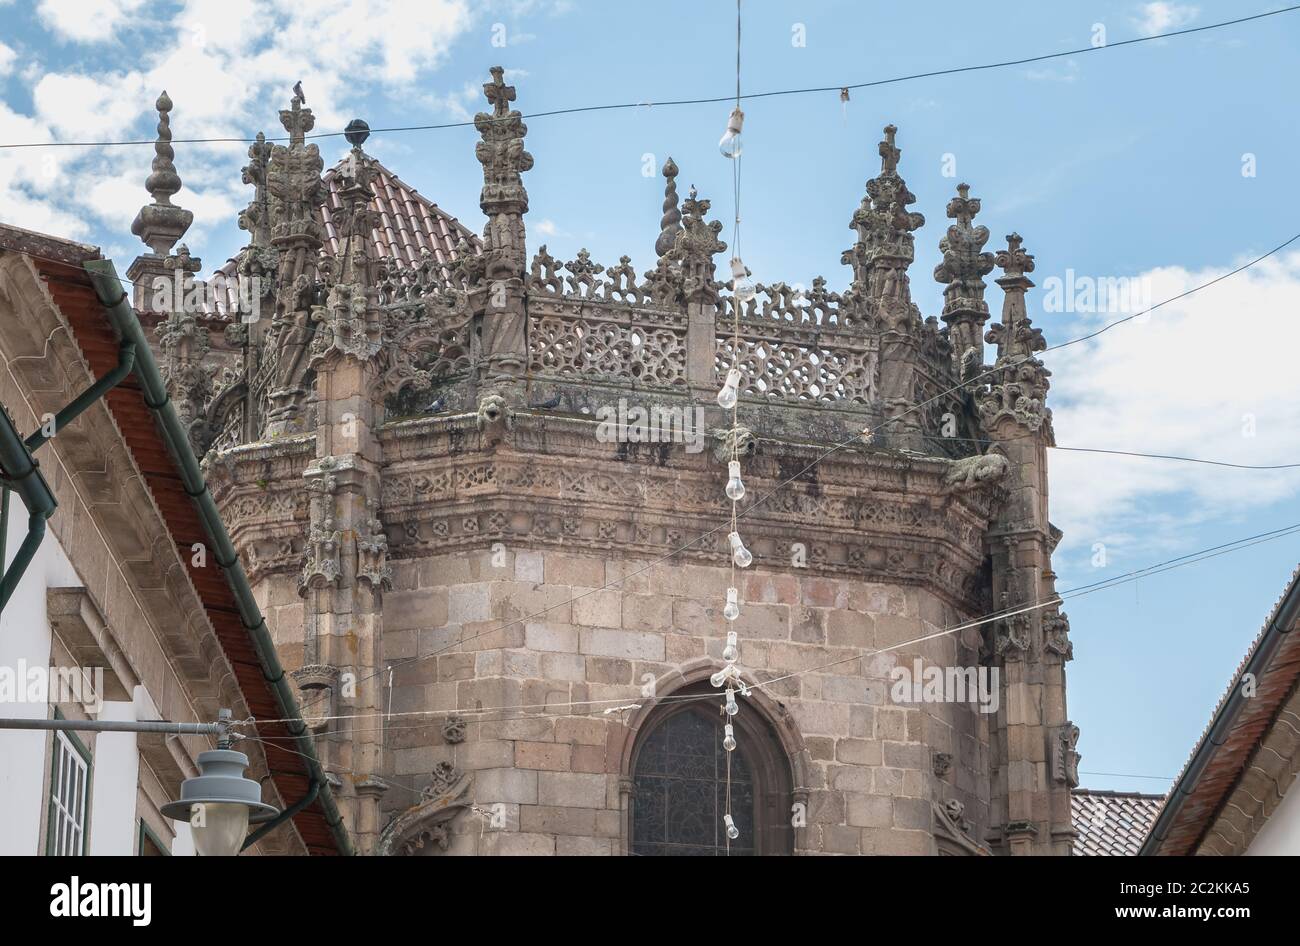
[550, 405]
[297, 90]
[436, 406]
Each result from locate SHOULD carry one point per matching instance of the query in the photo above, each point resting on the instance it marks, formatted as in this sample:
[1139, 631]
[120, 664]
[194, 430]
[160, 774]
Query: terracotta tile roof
[1111, 824]
[409, 222]
[1197, 800]
[58, 262]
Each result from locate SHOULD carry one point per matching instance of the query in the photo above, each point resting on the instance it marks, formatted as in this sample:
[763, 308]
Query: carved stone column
[345, 571]
[1033, 774]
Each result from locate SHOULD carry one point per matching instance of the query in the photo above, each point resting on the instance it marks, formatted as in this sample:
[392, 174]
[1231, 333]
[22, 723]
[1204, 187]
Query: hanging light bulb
[730, 144]
[732, 831]
[730, 652]
[728, 738]
[742, 287]
[735, 488]
[739, 554]
[732, 609]
[724, 676]
[732, 708]
[730, 392]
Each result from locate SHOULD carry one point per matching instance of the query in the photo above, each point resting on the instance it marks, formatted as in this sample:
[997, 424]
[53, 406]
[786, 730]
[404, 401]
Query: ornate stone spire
[256, 217]
[671, 222]
[161, 224]
[356, 220]
[962, 270]
[885, 246]
[504, 198]
[297, 195]
[1019, 386]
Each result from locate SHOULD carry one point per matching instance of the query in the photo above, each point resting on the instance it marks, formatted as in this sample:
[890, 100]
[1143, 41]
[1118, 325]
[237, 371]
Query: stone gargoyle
[493, 409]
[973, 472]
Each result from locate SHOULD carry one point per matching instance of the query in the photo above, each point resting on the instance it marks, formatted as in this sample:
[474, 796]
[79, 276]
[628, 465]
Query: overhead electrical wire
[712, 100]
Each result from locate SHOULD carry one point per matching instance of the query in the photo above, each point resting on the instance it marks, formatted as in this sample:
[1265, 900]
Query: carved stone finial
[885, 246]
[1014, 261]
[671, 222]
[889, 153]
[504, 198]
[962, 270]
[694, 248]
[256, 216]
[160, 224]
[164, 181]
[1018, 388]
[297, 121]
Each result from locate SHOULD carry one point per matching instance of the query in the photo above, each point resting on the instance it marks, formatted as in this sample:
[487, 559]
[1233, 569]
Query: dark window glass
[681, 789]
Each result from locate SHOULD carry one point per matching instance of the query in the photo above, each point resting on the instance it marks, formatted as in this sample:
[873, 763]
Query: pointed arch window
[679, 776]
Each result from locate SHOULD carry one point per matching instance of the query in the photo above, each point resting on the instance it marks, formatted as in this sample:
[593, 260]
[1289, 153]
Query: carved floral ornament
[425, 828]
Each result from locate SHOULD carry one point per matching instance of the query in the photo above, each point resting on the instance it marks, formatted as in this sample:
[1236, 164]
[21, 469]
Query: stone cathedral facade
[503, 620]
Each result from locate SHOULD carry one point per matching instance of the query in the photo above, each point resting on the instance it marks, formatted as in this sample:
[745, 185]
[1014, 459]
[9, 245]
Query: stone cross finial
[297, 121]
[1014, 261]
[498, 93]
[504, 199]
[963, 207]
[889, 154]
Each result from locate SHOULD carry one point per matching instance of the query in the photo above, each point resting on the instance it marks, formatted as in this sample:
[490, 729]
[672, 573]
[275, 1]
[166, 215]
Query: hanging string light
[743, 292]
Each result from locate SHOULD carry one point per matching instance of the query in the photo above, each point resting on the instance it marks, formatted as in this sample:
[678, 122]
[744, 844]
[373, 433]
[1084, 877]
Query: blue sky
[1122, 163]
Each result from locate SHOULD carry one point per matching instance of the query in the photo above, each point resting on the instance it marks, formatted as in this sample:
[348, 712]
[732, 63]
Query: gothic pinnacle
[671, 222]
[161, 224]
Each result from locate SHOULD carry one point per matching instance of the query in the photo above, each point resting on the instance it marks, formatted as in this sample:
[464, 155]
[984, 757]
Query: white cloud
[1069, 72]
[1163, 16]
[7, 57]
[228, 66]
[1186, 380]
[86, 21]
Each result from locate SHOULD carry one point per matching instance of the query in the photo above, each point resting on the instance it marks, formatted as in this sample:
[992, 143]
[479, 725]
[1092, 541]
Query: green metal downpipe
[283, 816]
[20, 475]
[123, 319]
[125, 360]
[20, 471]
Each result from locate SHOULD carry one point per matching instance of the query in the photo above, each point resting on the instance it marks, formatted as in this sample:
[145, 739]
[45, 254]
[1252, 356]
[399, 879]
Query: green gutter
[123, 318]
[1284, 617]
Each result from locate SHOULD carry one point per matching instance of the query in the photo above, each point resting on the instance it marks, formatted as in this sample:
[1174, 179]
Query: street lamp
[219, 803]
